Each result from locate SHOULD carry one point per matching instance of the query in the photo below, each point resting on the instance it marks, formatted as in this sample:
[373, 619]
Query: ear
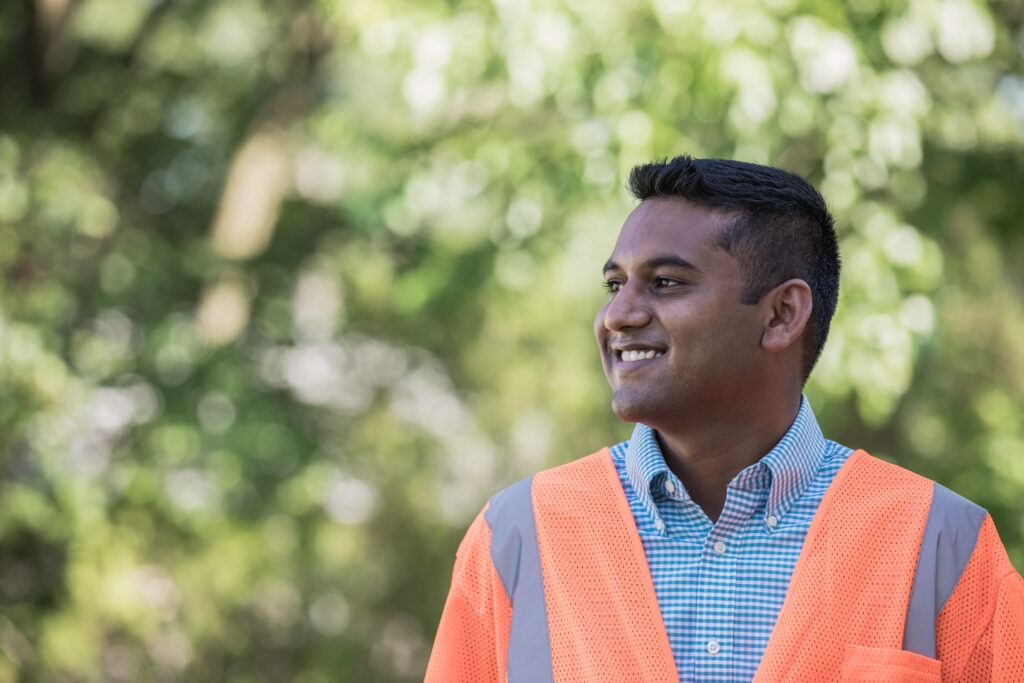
[787, 308]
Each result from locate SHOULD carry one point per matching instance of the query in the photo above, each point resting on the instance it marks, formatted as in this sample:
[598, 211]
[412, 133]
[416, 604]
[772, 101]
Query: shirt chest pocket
[888, 665]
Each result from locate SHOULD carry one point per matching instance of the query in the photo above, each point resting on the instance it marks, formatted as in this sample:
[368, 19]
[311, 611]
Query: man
[727, 539]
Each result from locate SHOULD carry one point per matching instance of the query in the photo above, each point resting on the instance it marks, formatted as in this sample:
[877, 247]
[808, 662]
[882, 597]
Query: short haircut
[780, 228]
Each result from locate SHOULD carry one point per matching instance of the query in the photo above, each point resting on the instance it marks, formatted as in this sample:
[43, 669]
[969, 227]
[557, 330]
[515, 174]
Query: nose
[626, 309]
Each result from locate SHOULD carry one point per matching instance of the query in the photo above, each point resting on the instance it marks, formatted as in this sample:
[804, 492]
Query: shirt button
[772, 521]
[713, 647]
[719, 548]
[670, 487]
[659, 525]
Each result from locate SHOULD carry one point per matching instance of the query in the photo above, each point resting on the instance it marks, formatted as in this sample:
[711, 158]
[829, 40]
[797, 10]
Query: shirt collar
[793, 464]
[644, 462]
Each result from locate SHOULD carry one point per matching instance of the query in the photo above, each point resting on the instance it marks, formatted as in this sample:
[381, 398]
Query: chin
[652, 408]
[630, 409]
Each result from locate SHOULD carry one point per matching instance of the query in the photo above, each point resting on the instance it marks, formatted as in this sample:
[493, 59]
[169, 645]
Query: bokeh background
[289, 288]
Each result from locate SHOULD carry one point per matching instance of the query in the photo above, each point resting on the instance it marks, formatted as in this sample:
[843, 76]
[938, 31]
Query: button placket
[719, 570]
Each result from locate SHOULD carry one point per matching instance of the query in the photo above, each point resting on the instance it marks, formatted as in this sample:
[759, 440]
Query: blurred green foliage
[290, 288]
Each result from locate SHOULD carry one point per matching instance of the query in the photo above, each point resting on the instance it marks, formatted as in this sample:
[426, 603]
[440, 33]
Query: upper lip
[635, 346]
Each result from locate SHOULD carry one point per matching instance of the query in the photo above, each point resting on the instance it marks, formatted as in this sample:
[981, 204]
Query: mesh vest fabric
[472, 640]
[843, 617]
[603, 613]
[980, 631]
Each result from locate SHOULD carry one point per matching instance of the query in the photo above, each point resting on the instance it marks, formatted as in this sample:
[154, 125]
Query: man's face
[675, 340]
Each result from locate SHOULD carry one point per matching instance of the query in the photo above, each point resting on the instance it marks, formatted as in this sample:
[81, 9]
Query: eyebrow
[657, 262]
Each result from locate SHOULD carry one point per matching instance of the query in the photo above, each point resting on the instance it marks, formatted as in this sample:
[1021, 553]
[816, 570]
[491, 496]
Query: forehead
[669, 225]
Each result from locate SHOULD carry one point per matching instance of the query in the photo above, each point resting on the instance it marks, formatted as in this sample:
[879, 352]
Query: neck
[708, 456]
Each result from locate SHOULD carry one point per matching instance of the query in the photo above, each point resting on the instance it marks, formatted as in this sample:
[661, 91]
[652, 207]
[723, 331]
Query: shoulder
[508, 523]
[883, 500]
[582, 472]
[865, 471]
[574, 485]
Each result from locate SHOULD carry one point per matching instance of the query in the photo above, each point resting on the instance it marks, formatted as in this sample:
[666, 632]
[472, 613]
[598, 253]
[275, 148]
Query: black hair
[779, 228]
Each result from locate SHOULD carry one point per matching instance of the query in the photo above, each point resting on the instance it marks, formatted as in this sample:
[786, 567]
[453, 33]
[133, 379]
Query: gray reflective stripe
[950, 535]
[517, 561]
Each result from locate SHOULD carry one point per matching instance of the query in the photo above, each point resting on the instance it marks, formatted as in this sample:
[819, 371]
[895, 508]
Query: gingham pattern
[720, 587]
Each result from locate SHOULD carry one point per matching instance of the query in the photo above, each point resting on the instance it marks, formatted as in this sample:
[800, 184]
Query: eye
[662, 282]
[612, 286]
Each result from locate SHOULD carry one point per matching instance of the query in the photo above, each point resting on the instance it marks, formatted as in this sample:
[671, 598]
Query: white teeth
[640, 355]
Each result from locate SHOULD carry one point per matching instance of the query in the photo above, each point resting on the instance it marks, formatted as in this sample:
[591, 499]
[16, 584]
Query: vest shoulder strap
[583, 603]
[605, 621]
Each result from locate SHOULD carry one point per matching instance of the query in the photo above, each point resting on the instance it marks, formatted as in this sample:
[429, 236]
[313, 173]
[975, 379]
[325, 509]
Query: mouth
[637, 354]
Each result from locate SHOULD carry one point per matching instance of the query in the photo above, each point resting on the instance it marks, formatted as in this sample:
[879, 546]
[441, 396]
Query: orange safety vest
[898, 579]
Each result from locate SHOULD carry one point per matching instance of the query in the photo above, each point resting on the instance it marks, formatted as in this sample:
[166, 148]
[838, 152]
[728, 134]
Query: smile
[634, 355]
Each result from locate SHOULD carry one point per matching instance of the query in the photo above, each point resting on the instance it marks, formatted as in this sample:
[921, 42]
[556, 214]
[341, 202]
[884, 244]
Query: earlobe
[788, 308]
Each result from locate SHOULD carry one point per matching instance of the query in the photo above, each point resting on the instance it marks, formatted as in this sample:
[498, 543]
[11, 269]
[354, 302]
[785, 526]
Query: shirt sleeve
[471, 645]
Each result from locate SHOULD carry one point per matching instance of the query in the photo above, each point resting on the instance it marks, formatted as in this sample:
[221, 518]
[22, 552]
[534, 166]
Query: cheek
[601, 336]
[599, 328]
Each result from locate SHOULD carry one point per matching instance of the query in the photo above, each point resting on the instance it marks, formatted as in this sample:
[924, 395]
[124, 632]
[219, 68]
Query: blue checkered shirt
[720, 586]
